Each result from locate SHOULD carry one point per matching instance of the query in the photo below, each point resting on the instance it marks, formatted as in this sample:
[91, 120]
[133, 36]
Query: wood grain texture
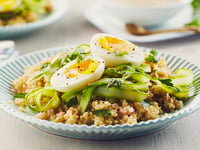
[184, 134]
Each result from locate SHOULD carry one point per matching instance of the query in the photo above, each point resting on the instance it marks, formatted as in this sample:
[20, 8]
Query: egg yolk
[112, 45]
[82, 68]
[7, 5]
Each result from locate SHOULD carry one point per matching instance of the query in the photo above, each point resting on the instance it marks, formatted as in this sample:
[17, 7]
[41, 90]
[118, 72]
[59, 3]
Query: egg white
[135, 56]
[60, 82]
[9, 5]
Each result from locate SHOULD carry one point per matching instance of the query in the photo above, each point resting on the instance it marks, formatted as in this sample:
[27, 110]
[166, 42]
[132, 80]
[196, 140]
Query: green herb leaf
[196, 14]
[166, 81]
[196, 5]
[153, 52]
[194, 23]
[114, 82]
[44, 66]
[151, 57]
[72, 101]
[20, 95]
[103, 112]
[80, 52]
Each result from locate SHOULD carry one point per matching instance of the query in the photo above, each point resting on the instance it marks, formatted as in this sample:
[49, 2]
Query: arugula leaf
[103, 112]
[166, 81]
[20, 95]
[151, 57]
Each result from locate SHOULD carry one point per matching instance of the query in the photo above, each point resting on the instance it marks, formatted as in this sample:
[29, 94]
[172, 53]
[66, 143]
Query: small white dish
[149, 15]
[97, 15]
[7, 50]
[9, 56]
[13, 31]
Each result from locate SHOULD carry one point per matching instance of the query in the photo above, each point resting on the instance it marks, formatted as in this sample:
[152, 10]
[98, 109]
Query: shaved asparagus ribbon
[36, 97]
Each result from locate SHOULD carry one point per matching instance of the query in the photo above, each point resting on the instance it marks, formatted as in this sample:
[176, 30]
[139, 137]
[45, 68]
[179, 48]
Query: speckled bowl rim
[186, 110]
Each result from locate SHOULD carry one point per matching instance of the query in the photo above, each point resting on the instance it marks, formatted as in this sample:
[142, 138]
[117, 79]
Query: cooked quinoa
[122, 111]
[121, 85]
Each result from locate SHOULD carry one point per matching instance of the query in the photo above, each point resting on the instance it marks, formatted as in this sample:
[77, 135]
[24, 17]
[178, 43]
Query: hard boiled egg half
[115, 50]
[9, 5]
[76, 75]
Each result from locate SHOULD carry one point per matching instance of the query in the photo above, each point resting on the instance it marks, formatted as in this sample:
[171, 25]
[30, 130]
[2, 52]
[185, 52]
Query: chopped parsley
[20, 95]
[72, 101]
[151, 57]
[166, 81]
[103, 112]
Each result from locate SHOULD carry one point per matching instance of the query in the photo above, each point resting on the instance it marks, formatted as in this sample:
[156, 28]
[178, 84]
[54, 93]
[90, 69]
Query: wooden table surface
[184, 134]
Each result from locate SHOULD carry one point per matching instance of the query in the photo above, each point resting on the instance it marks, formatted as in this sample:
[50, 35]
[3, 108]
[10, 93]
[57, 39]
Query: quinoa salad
[17, 12]
[107, 82]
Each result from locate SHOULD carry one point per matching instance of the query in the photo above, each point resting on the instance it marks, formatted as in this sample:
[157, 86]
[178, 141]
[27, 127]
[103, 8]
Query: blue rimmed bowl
[12, 69]
[14, 31]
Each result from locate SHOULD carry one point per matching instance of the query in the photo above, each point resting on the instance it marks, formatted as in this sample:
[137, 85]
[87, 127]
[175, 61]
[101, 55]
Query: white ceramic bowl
[144, 16]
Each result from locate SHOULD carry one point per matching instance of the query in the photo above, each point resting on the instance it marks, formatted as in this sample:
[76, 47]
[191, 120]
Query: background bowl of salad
[20, 17]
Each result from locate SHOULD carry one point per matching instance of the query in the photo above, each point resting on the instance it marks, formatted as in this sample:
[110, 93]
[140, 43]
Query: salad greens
[37, 6]
[151, 57]
[177, 85]
[62, 58]
[35, 99]
[166, 81]
[121, 82]
[71, 100]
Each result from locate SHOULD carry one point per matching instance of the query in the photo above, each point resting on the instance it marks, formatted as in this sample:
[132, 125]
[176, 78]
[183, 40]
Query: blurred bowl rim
[55, 15]
[175, 5]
